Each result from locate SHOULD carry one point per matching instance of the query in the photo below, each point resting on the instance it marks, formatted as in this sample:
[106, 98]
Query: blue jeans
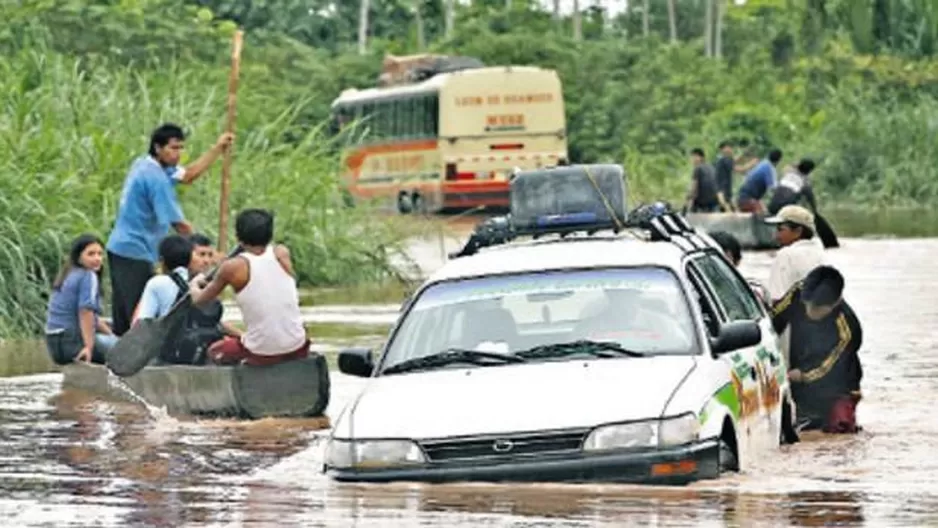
[64, 345]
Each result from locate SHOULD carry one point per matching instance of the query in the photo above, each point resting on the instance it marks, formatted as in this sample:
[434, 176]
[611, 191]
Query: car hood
[513, 398]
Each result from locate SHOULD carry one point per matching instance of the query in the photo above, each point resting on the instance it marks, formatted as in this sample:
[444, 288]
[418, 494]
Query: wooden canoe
[750, 230]
[294, 389]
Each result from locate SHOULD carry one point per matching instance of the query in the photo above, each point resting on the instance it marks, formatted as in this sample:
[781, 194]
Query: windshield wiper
[602, 349]
[450, 356]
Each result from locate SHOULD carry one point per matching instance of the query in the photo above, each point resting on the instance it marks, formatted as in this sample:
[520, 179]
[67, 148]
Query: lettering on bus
[504, 120]
[493, 100]
[394, 164]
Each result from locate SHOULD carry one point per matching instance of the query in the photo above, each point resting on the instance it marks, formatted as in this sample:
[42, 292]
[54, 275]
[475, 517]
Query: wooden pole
[229, 127]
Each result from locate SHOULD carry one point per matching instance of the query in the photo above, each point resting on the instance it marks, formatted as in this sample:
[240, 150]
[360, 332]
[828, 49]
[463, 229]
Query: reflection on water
[66, 459]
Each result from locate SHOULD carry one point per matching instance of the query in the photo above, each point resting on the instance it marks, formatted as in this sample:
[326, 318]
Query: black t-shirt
[706, 186]
[825, 351]
[724, 174]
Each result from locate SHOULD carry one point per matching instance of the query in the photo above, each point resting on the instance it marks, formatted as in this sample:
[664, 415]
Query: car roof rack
[579, 199]
[666, 226]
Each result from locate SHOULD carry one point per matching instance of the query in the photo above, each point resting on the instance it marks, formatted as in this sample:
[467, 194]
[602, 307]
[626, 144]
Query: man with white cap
[801, 251]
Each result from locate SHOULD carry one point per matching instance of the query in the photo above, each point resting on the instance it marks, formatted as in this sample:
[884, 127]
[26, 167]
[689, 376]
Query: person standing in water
[74, 330]
[801, 251]
[826, 336]
[265, 289]
[733, 252]
[148, 208]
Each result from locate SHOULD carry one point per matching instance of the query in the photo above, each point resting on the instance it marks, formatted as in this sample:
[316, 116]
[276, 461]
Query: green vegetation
[73, 119]
[852, 82]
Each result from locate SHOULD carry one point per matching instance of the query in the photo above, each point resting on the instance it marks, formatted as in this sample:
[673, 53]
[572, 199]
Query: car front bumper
[679, 465]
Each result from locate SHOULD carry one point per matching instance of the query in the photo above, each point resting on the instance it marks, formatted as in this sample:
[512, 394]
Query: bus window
[419, 113]
[408, 117]
[399, 118]
[431, 119]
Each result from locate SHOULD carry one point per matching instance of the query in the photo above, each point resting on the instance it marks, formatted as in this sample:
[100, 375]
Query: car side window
[708, 308]
[738, 300]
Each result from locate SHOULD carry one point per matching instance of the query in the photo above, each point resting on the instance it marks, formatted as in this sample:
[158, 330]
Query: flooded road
[70, 461]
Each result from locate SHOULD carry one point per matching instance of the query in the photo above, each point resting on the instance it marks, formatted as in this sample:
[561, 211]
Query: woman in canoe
[74, 330]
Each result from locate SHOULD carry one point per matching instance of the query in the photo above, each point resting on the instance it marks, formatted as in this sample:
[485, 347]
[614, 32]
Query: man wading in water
[148, 208]
[265, 289]
[801, 251]
[825, 338]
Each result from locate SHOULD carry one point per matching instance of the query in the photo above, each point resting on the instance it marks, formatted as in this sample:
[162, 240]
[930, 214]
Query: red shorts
[230, 351]
[843, 416]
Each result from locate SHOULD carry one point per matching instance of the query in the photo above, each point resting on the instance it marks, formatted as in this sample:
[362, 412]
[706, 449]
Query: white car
[604, 357]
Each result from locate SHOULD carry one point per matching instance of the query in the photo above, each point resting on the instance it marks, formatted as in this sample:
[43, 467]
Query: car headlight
[343, 454]
[679, 430]
[649, 433]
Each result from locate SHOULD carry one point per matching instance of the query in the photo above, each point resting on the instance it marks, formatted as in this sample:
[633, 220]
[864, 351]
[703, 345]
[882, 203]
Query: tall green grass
[69, 131]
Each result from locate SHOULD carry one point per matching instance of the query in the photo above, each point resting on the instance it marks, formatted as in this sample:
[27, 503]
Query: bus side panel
[382, 172]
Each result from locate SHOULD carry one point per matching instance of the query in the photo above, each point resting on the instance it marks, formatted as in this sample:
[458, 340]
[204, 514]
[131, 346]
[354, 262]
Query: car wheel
[728, 459]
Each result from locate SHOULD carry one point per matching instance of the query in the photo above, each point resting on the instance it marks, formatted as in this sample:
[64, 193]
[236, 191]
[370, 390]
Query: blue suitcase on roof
[569, 196]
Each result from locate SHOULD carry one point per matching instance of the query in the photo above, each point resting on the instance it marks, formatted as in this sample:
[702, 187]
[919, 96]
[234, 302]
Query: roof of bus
[428, 86]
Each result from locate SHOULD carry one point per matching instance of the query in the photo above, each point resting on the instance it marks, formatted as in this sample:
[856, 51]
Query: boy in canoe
[262, 279]
[826, 336]
[181, 258]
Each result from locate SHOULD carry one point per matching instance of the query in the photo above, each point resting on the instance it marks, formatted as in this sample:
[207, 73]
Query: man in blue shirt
[757, 183]
[148, 208]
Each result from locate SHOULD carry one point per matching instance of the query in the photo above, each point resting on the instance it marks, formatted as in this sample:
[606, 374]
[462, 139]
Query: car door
[764, 360]
[740, 363]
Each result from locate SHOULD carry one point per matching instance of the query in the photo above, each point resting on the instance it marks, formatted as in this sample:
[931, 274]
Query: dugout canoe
[294, 389]
[750, 229]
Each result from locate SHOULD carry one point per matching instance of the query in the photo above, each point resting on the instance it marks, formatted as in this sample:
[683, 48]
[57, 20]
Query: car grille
[504, 446]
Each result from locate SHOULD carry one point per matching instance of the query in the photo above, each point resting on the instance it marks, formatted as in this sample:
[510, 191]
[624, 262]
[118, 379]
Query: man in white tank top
[265, 289]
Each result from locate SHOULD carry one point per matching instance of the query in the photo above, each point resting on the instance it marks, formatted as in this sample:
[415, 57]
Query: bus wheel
[404, 205]
[419, 204]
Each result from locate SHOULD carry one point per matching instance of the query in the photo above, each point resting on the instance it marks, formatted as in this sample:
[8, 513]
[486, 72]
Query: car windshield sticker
[644, 280]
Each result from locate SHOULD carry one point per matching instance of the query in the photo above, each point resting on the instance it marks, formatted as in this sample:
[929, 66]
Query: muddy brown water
[68, 460]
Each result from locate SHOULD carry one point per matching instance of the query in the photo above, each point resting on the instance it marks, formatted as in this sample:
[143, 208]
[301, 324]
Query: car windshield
[631, 312]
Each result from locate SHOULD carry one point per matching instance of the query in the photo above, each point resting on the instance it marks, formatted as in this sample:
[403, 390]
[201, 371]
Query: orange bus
[453, 140]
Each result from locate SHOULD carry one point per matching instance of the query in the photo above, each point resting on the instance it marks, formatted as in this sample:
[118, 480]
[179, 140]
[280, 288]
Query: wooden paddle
[144, 341]
[229, 127]
[825, 231]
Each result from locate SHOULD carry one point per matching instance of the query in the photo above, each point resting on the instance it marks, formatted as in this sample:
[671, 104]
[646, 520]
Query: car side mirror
[736, 335]
[356, 362]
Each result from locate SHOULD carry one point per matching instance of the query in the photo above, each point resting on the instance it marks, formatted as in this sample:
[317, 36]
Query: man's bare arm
[283, 256]
[184, 228]
[199, 166]
[203, 294]
[745, 167]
